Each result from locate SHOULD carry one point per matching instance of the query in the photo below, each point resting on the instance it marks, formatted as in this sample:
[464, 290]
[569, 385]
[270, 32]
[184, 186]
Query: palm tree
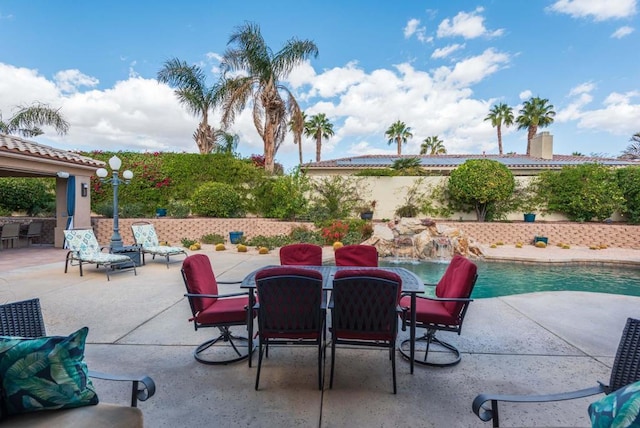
[227, 143]
[633, 150]
[399, 133]
[296, 125]
[256, 73]
[28, 120]
[433, 146]
[318, 127]
[500, 114]
[536, 112]
[192, 91]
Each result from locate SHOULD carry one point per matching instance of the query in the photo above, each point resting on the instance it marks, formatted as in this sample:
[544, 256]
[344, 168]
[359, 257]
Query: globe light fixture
[115, 163]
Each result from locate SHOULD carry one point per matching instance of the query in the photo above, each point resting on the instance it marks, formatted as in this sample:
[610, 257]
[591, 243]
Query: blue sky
[436, 65]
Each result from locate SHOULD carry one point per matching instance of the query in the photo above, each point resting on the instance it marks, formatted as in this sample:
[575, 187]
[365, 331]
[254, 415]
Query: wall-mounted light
[62, 174]
[84, 190]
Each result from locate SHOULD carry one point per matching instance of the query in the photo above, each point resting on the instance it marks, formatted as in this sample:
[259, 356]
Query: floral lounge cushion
[620, 409]
[45, 373]
[145, 235]
[163, 250]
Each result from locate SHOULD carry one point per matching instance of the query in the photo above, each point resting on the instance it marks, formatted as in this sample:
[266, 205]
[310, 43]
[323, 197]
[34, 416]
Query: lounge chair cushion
[163, 250]
[45, 373]
[101, 415]
[618, 409]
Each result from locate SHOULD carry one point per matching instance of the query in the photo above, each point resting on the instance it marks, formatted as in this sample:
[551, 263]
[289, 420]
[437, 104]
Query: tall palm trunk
[399, 140]
[499, 140]
[318, 144]
[533, 129]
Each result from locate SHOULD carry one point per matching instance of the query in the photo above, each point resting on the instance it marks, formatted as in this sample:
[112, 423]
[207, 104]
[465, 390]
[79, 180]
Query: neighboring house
[391, 192]
[541, 159]
[23, 158]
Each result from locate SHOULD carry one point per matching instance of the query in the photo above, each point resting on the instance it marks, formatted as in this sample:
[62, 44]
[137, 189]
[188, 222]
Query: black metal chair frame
[226, 335]
[429, 337]
[24, 319]
[625, 371]
[348, 297]
[267, 326]
[144, 251]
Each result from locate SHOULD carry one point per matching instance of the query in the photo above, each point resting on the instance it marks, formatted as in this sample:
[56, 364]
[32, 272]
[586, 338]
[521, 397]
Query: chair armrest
[142, 388]
[229, 282]
[446, 299]
[242, 293]
[486, 413]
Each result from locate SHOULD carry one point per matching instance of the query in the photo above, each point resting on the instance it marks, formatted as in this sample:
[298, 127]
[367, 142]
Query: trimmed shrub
[217, 200]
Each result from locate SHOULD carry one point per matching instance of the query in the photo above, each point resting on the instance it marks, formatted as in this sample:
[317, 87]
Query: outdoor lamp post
[115, 163]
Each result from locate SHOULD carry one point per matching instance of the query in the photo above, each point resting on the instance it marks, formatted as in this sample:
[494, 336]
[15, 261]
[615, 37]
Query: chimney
[542, 145]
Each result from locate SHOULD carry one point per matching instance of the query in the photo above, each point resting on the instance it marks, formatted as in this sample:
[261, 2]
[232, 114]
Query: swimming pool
[505, 278]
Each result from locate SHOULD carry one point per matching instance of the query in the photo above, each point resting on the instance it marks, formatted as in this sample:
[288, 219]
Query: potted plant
[366, 210]
[529, 202]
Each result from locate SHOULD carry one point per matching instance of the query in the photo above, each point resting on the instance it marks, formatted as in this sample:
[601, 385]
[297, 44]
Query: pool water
[505, 278]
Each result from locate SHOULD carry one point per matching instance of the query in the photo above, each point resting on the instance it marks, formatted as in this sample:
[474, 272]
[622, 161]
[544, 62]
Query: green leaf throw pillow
[620, 409]
[45, 373]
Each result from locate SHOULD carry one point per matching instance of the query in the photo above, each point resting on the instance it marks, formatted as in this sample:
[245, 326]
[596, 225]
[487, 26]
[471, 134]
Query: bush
[178, 209]
[334, 197]
[282, 197]
[32, 195]
[104, 209]
[212, 238]
[186, 242]
[629, 184]
[217, 200]
[269, 242]
[305, 235]
[134, 210]
[478, 184]
[583, 192]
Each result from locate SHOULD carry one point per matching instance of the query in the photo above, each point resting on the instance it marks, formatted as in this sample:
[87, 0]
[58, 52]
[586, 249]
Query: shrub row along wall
[585, 234]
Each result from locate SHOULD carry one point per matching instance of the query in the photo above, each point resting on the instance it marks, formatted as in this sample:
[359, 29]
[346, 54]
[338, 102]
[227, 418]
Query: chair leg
[393, 365]
[225, 336]
[167, 261]
[319, 364]
[260, 351]
[333, 360]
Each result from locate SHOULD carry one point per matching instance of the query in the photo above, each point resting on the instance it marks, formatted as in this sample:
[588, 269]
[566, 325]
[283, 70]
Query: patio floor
[534, 343]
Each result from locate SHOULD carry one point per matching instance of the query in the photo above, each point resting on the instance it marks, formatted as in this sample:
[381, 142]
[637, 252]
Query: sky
[436, 65]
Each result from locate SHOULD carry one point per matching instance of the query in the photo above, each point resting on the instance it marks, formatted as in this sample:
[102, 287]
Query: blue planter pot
[529, 218]
[540, 239]
[235, 237]
[161, 212]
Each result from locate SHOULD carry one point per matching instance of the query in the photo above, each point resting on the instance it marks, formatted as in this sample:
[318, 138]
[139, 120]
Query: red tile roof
[13, 144]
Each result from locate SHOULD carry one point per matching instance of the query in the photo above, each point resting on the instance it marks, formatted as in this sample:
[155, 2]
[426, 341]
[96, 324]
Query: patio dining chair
[10, 234]
[357, 255]
[625, 371]
[443, 312]
[146, 237]
[34, 230]
[364, 312]
[24, 319]
[302, 254]
[84, 248]
[209, 308]
[290, 311]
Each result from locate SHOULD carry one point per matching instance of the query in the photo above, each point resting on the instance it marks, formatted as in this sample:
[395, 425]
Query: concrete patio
[534, 343]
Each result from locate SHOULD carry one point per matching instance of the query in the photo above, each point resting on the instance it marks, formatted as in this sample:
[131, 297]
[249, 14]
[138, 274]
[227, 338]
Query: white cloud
[467, 25]
[622, 32]
[70, 80]
[412, 28]
[525, 95]
[582, 88]
[446, 51]
[598, 10]
[474, 69]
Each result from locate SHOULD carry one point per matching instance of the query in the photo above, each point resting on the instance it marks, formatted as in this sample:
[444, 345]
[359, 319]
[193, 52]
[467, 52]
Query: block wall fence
[173, 230]
[581, 234]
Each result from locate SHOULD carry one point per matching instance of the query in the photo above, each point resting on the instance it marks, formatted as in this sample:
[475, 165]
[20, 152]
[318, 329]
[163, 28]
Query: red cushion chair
[290, 311]
[211, 309]
[445, 311]
[364, 311]
[301, 255]
[357, 255]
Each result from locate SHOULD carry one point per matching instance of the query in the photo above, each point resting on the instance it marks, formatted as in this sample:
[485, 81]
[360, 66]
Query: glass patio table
[411, 284]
